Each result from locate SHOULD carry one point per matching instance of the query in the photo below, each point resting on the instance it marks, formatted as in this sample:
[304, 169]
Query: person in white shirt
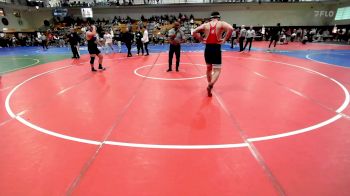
[263, 32]
[242, 36]
[233, 38]
[14, 41]
[108, 41]
[299, 34]
[56, 39]
[118, 39]
[145, 40]
[44, 41]
[61, 42]
[283, 39]
[294, 35]
[191, 37]
[250, 36]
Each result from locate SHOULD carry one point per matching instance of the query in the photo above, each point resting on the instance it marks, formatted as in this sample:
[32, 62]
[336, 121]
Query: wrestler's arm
[197, 31]
[228, 29]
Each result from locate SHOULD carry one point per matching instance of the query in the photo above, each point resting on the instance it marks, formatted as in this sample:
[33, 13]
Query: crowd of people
[118, 28]
[58, 35]
[283, 35]
[107, 3]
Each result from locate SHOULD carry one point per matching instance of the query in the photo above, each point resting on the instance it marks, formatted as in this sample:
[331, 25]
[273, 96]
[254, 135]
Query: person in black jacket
[128, 38]
[275, 34]
[74, 40]
[139, 43]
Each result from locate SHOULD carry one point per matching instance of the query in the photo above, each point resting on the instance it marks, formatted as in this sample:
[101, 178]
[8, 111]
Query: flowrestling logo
[323, 13]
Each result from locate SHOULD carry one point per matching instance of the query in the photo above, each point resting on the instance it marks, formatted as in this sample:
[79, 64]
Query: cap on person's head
[215, 15]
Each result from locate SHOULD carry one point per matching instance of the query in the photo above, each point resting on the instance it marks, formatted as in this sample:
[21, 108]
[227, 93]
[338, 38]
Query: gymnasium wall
[288, 14]
[249, 14]
[15, 23]
[31, 19]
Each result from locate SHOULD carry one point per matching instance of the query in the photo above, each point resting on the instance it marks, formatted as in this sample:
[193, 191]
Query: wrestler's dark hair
[215, 15]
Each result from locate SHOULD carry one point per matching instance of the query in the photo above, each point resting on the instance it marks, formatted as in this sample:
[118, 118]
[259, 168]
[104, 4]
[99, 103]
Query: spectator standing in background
[233, 38]
[145, 39]
[242, 35]
[44, 41]
[108, 41]
[118, 39]
[250, 37]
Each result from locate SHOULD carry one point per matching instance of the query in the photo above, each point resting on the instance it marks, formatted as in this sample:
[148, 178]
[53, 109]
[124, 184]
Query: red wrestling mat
[275, 125]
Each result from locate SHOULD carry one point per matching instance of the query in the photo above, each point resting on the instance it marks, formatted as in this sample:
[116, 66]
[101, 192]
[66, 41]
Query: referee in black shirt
[128, 39]
[73, 40]
[176, 37]
[275, 36]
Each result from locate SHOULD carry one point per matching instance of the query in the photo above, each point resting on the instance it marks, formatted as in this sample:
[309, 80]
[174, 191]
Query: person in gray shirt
[242, 36]
[176, 37]
[250, 37]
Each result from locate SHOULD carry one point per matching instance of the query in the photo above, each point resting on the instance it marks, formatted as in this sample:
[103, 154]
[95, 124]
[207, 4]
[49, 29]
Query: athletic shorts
[94, 50]
[212, 54]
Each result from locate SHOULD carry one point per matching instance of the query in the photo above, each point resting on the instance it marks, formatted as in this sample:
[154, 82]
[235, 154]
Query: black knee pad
[92, 60]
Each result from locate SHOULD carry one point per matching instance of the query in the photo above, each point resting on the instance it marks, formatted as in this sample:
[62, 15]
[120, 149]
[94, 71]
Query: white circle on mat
[160, 146]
